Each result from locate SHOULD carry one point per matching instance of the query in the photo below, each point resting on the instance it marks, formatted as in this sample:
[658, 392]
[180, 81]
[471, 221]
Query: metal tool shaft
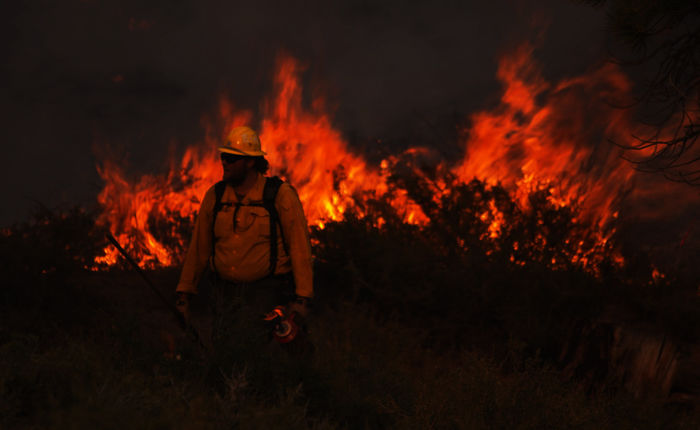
[179, 317]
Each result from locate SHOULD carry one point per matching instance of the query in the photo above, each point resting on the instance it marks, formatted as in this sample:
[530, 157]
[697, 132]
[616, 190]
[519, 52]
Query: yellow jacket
[244, 255]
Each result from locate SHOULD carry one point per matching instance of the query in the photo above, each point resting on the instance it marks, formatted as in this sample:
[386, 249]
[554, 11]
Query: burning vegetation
[452, 288]
[538, 180]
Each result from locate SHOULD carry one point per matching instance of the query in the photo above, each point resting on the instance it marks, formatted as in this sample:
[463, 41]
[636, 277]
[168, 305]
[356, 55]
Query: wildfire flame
[559, 145]
[541, 137]
[302, 147]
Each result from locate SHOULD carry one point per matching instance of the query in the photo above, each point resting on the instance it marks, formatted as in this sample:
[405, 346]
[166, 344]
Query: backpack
[272, 186]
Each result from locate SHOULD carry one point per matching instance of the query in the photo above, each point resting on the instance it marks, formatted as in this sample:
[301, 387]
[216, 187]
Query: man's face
[235, 168]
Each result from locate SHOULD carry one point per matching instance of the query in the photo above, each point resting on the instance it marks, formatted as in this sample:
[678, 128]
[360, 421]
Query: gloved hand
[300, 305]
[182, 303]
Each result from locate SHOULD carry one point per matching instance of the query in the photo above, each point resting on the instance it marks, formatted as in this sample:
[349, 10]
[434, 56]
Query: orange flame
[302, 147]
[541, 137]
[554, 138]
[529, 147]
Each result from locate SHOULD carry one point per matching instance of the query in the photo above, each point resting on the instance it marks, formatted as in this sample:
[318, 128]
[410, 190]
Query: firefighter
[252, 234]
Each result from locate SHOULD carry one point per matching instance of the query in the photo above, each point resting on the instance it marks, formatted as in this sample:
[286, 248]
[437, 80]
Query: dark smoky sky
[138, 76]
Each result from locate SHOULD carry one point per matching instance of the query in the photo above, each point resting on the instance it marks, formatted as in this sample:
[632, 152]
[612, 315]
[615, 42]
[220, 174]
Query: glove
[300, 306]
[182, 303]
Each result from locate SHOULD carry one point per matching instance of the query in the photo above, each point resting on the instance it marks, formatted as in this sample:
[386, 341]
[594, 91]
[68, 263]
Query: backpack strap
[219, 188]
[272, 186]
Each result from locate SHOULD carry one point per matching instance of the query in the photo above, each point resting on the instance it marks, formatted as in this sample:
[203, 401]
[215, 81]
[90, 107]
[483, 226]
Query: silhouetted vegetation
[664, 37]
[435, 327]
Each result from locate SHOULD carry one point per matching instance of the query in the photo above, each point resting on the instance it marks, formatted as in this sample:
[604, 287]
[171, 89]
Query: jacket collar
[254, 194]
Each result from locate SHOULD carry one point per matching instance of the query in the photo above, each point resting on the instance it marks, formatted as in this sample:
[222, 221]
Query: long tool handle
[180, 318]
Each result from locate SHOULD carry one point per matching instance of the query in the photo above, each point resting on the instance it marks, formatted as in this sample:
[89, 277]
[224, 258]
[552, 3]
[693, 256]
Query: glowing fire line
[521, 145]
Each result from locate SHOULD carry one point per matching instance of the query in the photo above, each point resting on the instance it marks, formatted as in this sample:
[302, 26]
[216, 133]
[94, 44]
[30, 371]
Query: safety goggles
[231, 158]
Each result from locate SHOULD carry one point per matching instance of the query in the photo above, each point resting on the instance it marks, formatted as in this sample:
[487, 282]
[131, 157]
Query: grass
[364, 374]
[408, 333]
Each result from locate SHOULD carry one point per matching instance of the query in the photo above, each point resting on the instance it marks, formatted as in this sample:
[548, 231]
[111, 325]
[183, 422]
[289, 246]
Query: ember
[543, 139]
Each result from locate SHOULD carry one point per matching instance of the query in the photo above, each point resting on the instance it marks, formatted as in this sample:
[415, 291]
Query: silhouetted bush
[441, 326]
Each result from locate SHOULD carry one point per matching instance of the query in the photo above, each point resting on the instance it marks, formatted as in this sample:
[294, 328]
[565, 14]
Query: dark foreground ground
[404, 334]
[95, 356]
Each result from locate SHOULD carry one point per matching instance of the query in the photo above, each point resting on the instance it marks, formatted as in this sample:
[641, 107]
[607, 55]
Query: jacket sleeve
[199, 251]
[296, 236]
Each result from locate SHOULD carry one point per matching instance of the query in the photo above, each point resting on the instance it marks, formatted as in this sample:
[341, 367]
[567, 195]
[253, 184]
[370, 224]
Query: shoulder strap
[272, 186]
[219, 188]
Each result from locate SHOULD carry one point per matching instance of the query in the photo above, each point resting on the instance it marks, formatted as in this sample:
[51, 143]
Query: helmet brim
[245, 154]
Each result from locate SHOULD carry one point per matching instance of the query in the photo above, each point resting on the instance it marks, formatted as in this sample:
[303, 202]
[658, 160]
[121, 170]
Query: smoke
[138, 77]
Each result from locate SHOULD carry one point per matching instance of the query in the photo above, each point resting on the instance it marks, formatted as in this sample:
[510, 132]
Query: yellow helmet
[242, 141]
